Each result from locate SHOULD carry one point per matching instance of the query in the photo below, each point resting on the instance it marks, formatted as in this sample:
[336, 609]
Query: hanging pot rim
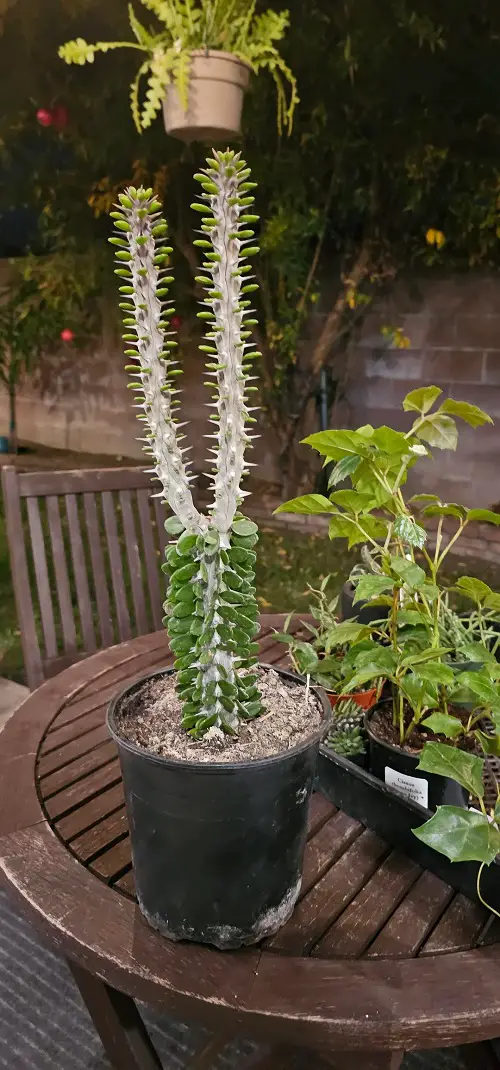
[217, 767]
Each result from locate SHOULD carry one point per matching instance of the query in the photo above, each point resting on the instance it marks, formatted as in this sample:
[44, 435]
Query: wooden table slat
[414, 918]
[77, 769]
[101, 836]
[459, 928]
[84, 790]
[329, 897]
[359, 924]
[91, 813]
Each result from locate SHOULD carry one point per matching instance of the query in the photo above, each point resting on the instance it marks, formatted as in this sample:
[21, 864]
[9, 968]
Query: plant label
[414, 788]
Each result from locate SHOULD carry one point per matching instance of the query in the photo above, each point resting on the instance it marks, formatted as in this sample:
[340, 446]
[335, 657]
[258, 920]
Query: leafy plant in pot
[406, 647]
[198, 63]
[322, 656]
[217, 794]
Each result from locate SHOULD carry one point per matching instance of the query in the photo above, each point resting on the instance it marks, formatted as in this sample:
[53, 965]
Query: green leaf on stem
[462, 835]
[351, 500]
[489, 744]
[422, 399]
[435, 672]
[439, 431]
[306, 658]
[408, 571]
[336, 444]
[368, 586]
[484, 516]
[390, 441]
[423, 499]
[407, 530]
[446, 509]
[348, 631]
[459, 765]
[481, 686]
[344, 468]
[472, 414]
[444, 724]
[308, 504]
[473, 588]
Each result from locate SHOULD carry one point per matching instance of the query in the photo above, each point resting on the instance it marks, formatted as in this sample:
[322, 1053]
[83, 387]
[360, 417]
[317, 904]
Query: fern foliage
[184, 26]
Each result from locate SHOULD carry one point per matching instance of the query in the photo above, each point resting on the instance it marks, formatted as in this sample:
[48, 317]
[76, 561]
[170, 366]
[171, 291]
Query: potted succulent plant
[217, 795]
[347, 735]
[427, 690]
[197, 63]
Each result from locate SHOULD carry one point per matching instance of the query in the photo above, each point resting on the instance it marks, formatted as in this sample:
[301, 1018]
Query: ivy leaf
[308, 504]
[439, 431]
[421, 400]
[372, 585]
[408, 571]
[443, 723]
[459, 765]
[484, 515]
[410, 532]
[472, 414]
[462, 835]
[343, 469]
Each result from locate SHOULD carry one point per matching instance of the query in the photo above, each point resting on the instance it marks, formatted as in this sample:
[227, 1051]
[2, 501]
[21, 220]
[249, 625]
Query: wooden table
[378, 958]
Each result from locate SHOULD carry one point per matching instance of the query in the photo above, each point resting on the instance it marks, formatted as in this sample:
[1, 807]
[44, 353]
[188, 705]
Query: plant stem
[478, 888]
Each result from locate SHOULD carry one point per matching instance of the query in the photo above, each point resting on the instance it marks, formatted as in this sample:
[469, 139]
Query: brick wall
[454, 331]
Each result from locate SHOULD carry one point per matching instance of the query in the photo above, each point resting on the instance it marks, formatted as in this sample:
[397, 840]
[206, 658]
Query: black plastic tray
[368, 800]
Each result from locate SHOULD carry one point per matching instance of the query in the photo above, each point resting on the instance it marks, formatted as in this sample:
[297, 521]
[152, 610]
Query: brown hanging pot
[217, 82]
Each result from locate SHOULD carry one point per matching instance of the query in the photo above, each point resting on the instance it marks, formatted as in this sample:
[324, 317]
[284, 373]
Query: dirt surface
[382, 727]
[151, 718]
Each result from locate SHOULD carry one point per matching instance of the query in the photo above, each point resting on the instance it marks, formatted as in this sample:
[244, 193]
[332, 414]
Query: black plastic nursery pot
[217, 848]
[364, 612]
[397, 768]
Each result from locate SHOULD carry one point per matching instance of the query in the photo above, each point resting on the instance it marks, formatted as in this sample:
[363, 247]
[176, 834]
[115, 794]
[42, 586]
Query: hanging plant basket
[217, 82]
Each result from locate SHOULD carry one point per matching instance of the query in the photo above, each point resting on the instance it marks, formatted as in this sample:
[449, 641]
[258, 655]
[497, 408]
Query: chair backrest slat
[62, 576]
[80, 572]
[115, 562]
[86, 549]
[20, 578]
[99, 570]
[134, 562]
[42, 577]
[152, 559]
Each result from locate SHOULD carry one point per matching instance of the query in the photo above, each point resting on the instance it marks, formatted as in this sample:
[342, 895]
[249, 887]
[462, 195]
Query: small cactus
[211, 609]
[347, 742]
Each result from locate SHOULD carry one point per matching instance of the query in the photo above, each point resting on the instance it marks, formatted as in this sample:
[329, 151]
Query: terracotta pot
[364, 699]
[217, 81]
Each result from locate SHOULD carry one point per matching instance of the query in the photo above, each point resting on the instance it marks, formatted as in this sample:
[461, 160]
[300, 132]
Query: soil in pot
[396, 765]
[218, 827]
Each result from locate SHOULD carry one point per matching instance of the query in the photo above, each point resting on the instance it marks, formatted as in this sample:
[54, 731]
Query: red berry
[44, 117]
[60, 117]
[67, 335]
[176, 323]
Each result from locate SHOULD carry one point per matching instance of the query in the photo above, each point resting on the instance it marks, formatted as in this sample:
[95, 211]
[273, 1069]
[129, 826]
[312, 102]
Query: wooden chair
[85, 549]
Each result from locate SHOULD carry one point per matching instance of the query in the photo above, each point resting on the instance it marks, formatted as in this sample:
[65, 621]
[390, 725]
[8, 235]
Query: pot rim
[217, 767]
[216, 53]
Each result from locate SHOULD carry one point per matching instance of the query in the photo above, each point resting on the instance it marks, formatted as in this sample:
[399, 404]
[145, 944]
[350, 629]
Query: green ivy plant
[406, 647]
[211, 609]
[187, 25]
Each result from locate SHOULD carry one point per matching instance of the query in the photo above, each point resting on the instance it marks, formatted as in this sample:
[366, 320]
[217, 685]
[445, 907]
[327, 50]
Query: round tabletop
[377, 955]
